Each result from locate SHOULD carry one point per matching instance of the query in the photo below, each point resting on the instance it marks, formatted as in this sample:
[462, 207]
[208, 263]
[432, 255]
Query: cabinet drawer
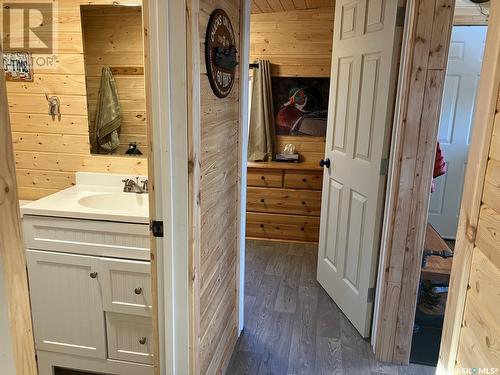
[99, 238]
[303, 180]
[126, 287]
[284, 201]
[129, 338]
[283, 227]
[265, 177]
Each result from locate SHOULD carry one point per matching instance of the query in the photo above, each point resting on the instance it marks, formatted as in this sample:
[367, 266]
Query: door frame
[165, 47]
[420, 89]
[485, 111]
[165, 71]
[12, 251]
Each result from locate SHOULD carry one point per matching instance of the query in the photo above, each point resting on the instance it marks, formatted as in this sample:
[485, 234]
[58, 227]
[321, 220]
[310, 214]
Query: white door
[66, 303]
[462, 77]
[366, 45]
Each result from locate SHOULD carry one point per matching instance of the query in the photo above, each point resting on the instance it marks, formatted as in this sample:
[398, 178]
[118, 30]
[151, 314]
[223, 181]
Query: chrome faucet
[131, 186]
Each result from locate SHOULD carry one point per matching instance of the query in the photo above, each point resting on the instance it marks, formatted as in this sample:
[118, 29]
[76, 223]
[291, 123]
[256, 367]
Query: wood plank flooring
[292, 326]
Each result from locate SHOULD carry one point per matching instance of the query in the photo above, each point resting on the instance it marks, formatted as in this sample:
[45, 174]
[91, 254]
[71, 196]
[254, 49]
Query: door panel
[365, 48]
[455, 126]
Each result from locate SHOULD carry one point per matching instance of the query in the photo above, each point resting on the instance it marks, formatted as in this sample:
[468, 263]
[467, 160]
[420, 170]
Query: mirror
[114, 70]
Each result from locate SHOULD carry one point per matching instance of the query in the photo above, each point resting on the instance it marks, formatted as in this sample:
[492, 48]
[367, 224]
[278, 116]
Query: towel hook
[54, 106]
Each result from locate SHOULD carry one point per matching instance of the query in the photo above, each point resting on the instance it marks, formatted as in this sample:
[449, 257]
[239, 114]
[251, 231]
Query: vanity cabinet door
[126, 286]
[66, 303]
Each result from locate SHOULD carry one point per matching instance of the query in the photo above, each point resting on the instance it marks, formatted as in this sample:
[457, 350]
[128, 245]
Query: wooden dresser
[284, 201]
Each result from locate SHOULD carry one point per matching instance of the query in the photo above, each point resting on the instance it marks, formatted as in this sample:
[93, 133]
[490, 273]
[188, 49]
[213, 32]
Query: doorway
[455, 129]
[292, 325]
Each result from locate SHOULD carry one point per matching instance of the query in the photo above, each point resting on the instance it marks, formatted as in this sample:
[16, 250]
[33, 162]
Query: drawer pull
[262, 177]
[303, 203]
[138, 291]
[262, 200]
[142, 340]
[262, 225]
[304, 180]
[93, 275]
[302, 229]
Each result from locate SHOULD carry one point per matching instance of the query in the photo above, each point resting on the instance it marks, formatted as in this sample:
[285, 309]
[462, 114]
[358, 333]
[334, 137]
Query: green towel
[108, 118]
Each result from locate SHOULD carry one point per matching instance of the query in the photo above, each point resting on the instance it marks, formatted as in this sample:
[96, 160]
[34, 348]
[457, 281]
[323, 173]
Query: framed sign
[17, 66]
[220, 53]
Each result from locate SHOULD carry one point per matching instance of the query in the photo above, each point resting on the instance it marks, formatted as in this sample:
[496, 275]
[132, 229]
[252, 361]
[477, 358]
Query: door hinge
[157, 228]
[384, 167]
[371, 295]
[400, 16]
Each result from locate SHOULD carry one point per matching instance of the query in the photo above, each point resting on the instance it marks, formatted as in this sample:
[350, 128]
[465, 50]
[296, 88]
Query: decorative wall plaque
[17, 66]
[220, 53]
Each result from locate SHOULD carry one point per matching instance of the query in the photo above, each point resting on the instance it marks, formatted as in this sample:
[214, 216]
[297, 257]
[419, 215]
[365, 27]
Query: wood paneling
[271, 6]
[112, 37]
[214, 162]
[417, 119]
[298, 43]
[480, 329]
[469, 333]
[311, 149]
[46, 149]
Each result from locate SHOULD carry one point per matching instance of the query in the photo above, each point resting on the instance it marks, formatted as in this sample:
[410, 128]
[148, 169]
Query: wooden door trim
[12, 251]
[415, 129]
[166, 100]
[484, 117]
[245, 12]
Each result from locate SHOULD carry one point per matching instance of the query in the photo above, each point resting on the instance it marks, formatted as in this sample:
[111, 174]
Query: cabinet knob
[262, 200]
[138, 291]
[262, 177]
[142, 340]
[93, 275]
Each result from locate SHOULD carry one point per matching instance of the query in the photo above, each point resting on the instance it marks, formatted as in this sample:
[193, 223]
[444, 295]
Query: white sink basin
[96, 196]
[123, 202]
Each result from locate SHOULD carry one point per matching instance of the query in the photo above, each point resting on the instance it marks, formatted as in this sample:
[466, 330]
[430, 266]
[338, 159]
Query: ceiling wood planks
[271, 6]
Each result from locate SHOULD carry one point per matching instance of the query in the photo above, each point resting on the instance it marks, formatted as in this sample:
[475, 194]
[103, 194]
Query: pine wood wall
[214, 181]
[298, 43]
[480, 330]
[48, 152]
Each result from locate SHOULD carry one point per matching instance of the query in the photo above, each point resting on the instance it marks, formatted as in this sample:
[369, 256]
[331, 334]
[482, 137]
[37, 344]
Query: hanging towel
[108, 116]
[261, 137]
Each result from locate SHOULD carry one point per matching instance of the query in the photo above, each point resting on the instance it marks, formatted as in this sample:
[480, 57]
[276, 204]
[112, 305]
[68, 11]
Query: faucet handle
[145, 185]
[126, 180]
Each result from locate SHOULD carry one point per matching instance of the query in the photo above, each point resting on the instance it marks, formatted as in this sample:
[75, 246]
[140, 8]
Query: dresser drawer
[303, 180]
[284, 227]
[265, 177]
[126, 286]
[284, 201]
[129, 338]
[89, 237]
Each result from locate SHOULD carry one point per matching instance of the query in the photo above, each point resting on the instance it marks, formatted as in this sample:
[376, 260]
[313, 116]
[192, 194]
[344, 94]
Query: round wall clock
[220, 53]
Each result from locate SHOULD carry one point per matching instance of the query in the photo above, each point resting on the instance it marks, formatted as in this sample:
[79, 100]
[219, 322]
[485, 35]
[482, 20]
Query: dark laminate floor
[291, 324]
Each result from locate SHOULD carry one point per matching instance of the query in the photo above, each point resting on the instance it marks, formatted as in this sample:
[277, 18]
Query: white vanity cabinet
[90, 290]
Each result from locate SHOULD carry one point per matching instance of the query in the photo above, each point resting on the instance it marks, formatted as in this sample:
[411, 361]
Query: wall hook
[54, 106]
